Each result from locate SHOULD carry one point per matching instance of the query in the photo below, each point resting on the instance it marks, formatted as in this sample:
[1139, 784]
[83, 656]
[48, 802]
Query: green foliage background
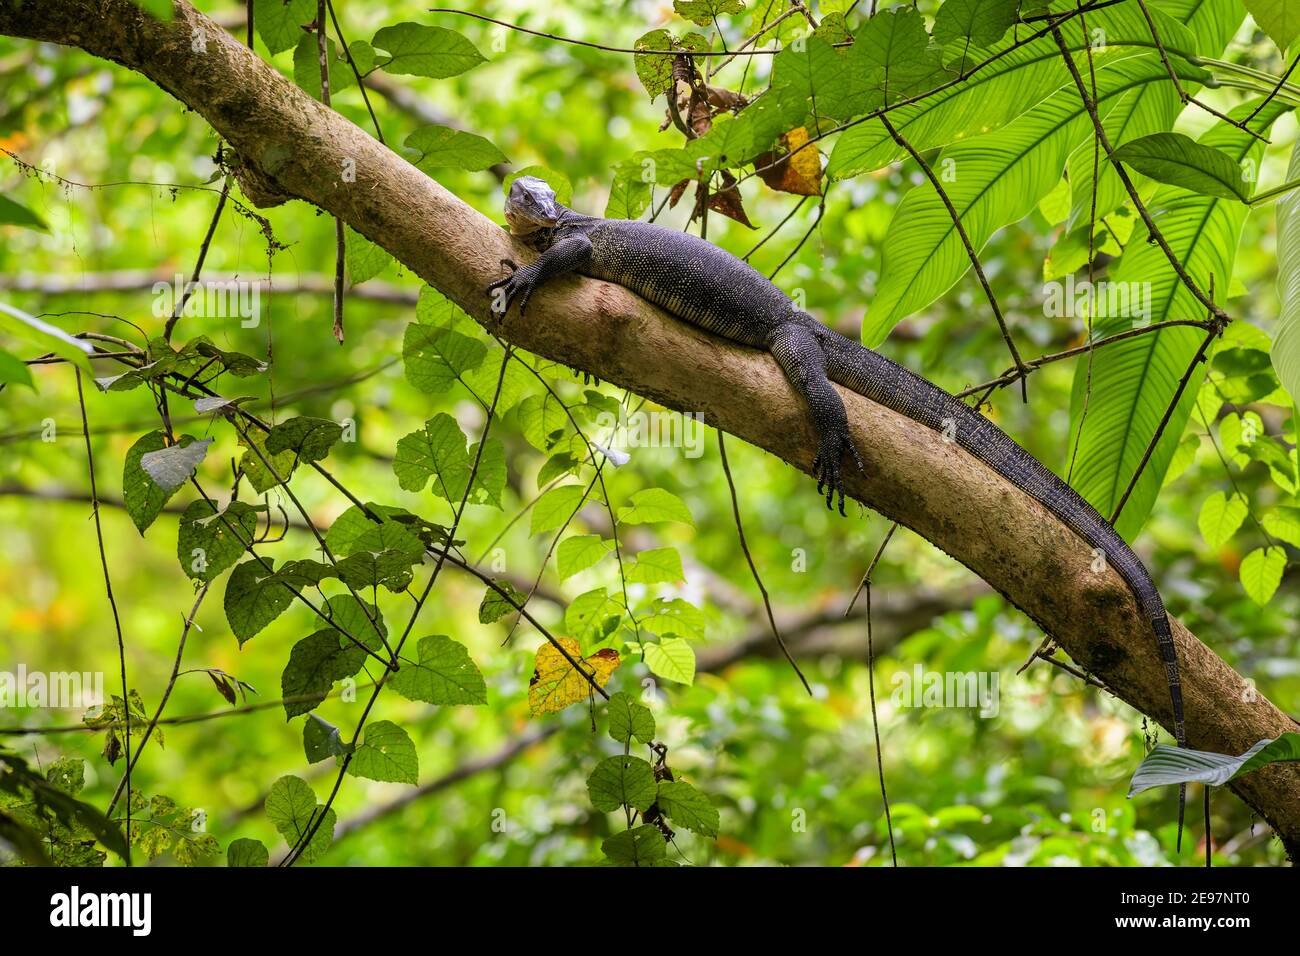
[792, 777]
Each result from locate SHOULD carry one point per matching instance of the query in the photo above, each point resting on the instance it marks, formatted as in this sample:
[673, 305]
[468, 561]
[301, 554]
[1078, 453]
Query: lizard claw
[519, 283]
[827, 469]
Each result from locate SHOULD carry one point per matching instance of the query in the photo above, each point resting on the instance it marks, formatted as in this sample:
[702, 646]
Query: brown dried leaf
[799, 173]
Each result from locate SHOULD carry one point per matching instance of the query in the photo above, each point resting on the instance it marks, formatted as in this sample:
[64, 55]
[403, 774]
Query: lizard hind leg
[798, 350]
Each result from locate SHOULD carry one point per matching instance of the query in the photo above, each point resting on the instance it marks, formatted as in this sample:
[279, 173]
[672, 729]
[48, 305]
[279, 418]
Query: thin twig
[112, 601]
[166, 694]
[753, 568]
[970, 251]
[198, 266]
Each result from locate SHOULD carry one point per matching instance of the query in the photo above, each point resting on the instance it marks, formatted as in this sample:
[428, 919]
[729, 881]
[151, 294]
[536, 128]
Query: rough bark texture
[298, 148]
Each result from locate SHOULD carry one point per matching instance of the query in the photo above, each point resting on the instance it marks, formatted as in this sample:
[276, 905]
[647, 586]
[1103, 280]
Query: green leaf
[315, 663]
[247, 852]
[641, 846]
[1221, 516]
[630, 720]
[1284, 523]
[363, 56]
[321, 739]
[1286, 335]
[438, 451]
[593, 616]
[675, 616]
[361, 619]
[1167, 766]
[621, 781]
[705, 12]
[1019, 79]
[420, 50]
[1261, 572]
[279, 22]
[555, 508]
[15, 214]
[308, 439]
[208, 542]
[892, 57]
[1280, 19]
[1181, 161]
[656, 566]
[653, 505]
[437, 357]
[144, 499]
[14, 371]
[812, 71]
[656, 71]
[672, 659]
[353, 531]
[688, 808]
[46, 337]
[389, 568]
[364, 259]
[579, 552]
[979, 22]
[495, 606]
[254, 598]
[172, 466]
[629, 195]
[254, 464]
[993, 181]
[291, 806]
[1133, 382]
[306, 67]
[387, 754]
[444, 675]
[442, 146]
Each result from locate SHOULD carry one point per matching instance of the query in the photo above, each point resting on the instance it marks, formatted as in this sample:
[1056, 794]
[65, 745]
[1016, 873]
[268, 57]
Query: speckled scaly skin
[708, 287]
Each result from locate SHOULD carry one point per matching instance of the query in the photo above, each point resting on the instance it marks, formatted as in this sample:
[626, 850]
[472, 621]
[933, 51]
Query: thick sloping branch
[297, 148]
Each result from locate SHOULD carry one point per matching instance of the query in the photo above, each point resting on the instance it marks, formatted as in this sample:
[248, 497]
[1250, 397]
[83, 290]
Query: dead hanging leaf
[555, 683]
[675, 194]
[726, 200]
[793, 170]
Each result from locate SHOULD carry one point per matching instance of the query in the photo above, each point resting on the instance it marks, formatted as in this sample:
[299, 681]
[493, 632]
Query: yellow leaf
[556, 683]
[799, 171]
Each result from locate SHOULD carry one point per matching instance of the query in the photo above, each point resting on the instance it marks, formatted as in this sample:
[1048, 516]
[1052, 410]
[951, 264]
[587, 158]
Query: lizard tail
[871, 374]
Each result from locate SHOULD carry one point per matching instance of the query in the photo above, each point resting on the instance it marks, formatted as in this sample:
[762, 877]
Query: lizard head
[531, 206]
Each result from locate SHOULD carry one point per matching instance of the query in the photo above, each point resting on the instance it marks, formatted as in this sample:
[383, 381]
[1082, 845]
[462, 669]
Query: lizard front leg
[801, 356]
[567, 255]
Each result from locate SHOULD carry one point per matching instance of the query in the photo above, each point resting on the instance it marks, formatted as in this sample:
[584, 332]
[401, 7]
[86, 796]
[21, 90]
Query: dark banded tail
[890, 384]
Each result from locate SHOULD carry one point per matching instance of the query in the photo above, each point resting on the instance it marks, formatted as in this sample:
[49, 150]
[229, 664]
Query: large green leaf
[444, 674]
[46, 337]
[995, 180]
[1003, 90]
[1286, 335]
[438, 451]
[1131, 383]
[417, 49]
[292, 806]
[1210, 25]
[280, 22]
[439, 146]
[1167, 766]
[1280, 19]
[1178, 160]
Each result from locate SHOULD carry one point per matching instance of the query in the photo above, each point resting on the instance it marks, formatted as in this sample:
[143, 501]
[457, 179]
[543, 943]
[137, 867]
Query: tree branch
[292, 146]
